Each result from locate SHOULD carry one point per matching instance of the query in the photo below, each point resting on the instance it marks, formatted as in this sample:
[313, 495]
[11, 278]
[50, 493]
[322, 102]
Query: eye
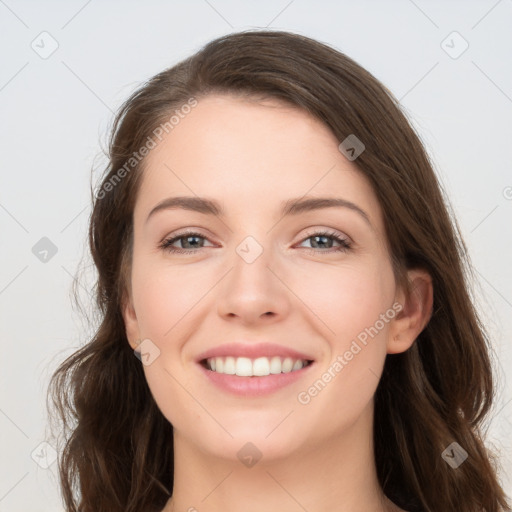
[191, 242]
[321, 238]
[191, 239]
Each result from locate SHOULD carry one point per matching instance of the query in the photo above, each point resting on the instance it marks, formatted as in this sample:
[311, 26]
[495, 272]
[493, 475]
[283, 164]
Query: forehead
[249, 130]
[252, 153]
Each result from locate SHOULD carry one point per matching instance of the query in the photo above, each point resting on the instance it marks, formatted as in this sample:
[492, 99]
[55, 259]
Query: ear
[131, 323]
[415, 313]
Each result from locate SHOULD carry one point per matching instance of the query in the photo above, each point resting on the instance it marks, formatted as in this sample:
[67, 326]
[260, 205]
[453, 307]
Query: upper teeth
[245, 367]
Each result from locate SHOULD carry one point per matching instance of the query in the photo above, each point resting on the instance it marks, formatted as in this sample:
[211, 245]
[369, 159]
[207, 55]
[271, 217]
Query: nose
[253, 292]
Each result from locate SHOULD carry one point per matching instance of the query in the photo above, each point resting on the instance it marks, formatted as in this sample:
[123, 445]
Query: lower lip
[254, 386]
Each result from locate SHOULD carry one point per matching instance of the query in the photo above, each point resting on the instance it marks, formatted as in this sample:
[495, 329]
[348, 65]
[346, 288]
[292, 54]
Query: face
[258, 283]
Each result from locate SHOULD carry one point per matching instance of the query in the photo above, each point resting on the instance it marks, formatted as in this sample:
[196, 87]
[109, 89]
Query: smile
[259, 367]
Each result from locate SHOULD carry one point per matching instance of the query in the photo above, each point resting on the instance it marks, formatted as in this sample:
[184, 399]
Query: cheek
[167, 302]
[347, 299]
[355, 306]
[163, 297]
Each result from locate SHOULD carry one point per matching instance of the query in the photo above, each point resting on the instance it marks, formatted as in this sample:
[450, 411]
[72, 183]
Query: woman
[274, 372]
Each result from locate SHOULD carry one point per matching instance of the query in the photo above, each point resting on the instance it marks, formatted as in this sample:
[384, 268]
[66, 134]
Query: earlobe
[415, 314]
[131, 323]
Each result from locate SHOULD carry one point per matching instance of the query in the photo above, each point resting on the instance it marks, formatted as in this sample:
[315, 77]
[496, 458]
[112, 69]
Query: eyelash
[345, 244]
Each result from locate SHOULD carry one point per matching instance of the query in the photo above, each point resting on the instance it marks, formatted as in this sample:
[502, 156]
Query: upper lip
[252, 351]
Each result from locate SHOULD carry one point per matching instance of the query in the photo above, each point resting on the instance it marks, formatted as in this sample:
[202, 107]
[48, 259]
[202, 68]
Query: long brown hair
[117, 454]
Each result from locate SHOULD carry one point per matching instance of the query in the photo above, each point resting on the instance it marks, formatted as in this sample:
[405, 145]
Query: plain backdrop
[67, 66]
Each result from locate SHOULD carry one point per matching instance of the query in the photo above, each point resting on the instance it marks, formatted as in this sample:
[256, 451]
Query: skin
[251, 156]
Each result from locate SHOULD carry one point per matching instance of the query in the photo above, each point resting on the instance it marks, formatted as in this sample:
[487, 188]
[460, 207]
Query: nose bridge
[251, 262]
[251, 289]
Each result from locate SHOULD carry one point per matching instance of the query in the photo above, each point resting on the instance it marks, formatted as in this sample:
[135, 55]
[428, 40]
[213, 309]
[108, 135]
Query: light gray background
[55, 113]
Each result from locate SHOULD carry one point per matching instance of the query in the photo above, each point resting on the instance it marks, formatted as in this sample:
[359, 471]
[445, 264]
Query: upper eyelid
[191, 232]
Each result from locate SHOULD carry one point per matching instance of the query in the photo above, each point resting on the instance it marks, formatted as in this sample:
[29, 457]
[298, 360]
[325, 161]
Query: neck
[338, 474]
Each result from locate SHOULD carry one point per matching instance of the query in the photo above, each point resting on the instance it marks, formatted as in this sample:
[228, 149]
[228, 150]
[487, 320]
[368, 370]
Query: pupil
[321, 237]
[190, 237]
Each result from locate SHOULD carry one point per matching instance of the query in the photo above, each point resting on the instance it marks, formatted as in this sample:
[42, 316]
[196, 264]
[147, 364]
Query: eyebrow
[289, 207]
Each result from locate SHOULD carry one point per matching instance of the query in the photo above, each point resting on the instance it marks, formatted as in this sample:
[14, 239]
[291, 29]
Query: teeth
[260, 367]
[229, 366]
[275, 365]
[297, 365]
[243, 367]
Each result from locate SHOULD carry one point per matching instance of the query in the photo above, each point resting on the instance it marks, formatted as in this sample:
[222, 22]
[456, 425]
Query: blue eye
[167, 244]
[344, 243]
[192, 239]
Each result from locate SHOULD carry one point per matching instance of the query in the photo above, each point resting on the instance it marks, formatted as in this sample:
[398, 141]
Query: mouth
[254, 369]
[258, 367]
[252, 378]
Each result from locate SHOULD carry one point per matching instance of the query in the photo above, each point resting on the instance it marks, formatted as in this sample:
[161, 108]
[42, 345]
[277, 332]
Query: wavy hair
[117, 453]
